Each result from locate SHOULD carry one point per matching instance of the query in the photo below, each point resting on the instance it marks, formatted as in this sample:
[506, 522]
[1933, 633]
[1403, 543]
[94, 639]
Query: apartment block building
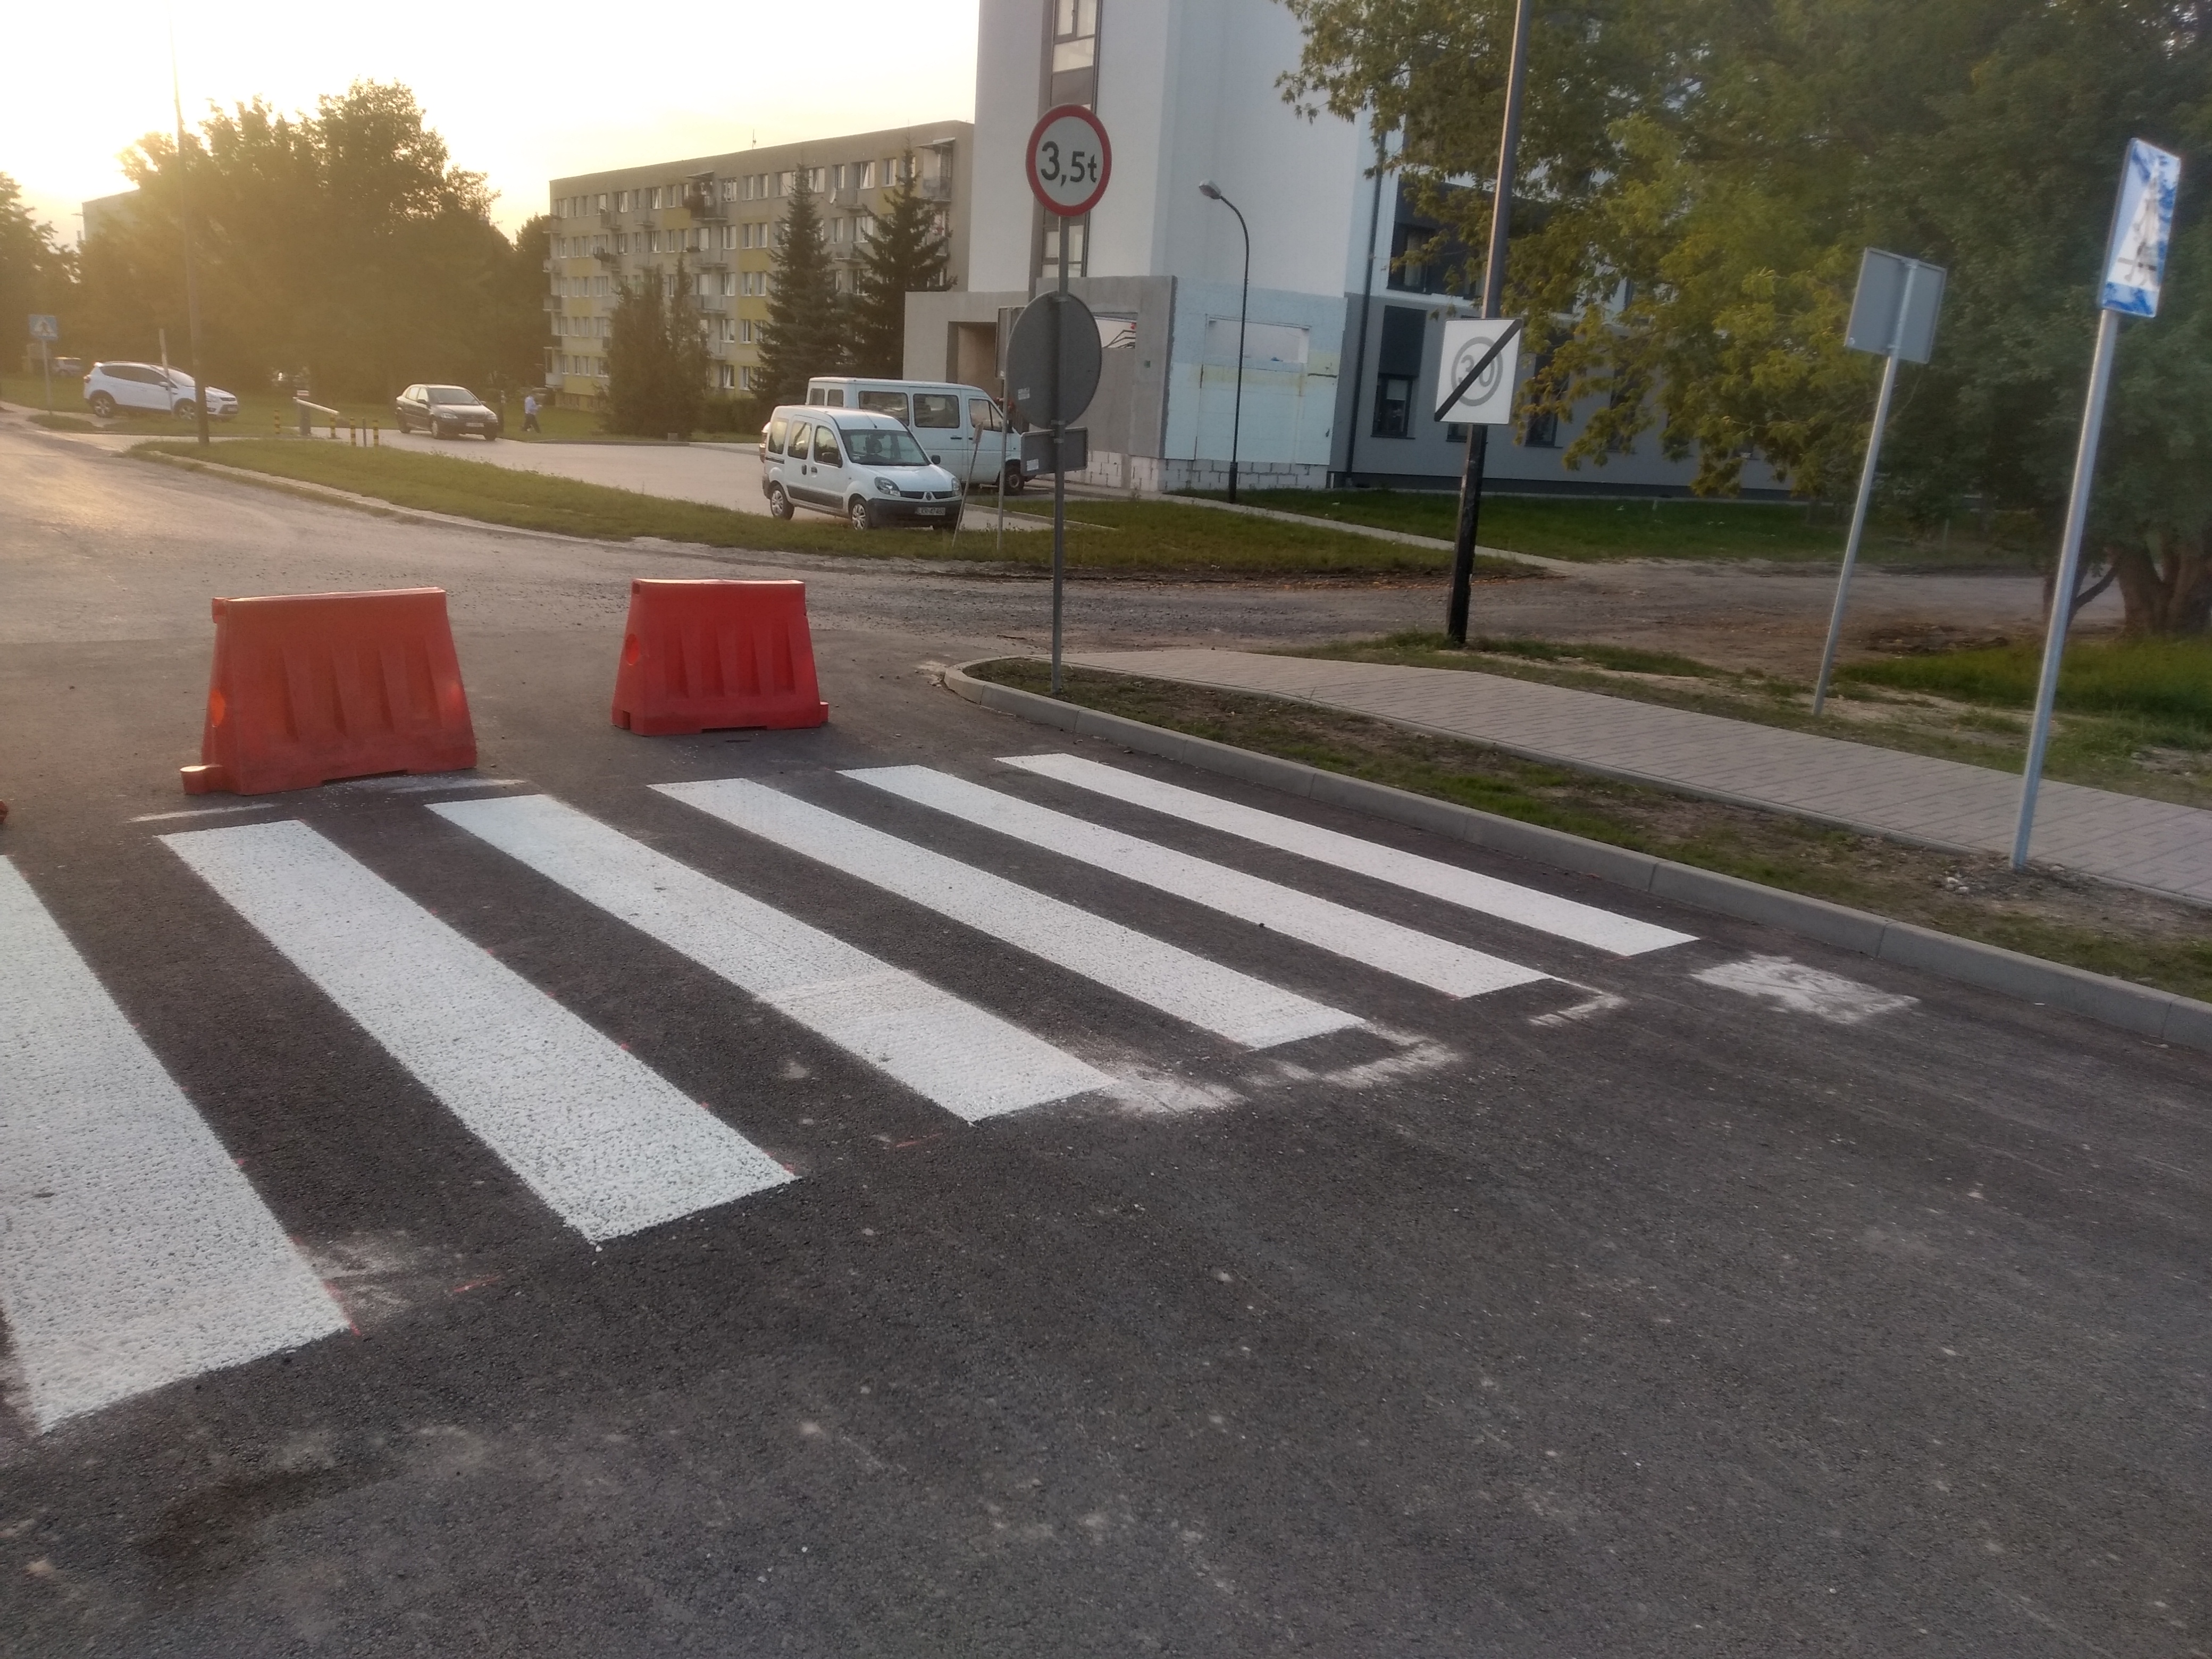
[719, 216]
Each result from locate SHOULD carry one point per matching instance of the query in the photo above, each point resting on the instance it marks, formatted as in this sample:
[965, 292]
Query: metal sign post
[45, 330]
[1482, 358]
[1069, 162]
[2134, 266]
[1892, 314]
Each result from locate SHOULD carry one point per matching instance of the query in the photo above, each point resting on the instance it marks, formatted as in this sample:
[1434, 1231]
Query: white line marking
[610, 1144]
[1804, 990]
[132, 1252]
[1216, 999]
[1426, 960]
[1584, 923]
[423, 786]
[202, 812]
[968, 1061]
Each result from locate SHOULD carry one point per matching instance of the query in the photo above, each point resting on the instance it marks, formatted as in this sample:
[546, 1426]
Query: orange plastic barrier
[308, 687]
[701, 655]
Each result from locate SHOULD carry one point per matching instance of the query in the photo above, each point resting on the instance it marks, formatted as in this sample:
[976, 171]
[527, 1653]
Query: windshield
[884, 446]
[452, 394]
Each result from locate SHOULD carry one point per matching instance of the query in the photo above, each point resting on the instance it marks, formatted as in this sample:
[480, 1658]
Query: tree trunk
[2166, 585]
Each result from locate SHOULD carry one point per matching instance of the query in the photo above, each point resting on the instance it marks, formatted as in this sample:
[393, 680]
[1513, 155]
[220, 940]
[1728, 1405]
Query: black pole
[1059, 454]
[1244, 303]
[1493, 294]
[191, 269]
[1366, 305]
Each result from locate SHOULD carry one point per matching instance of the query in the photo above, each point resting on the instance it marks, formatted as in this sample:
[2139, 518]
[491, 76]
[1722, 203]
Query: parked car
[68, 365]
[111, 387]
[864, 467]
[445, 411]
[961, 429]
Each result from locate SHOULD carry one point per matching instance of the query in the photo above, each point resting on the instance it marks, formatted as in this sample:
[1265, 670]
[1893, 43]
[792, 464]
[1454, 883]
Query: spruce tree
[806, 331]
[656, 357]
[905, 254]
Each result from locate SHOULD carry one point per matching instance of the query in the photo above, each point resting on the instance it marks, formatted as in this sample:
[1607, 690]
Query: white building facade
[1341, 344]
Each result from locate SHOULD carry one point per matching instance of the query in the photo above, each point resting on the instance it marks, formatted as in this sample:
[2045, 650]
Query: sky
[522, 94]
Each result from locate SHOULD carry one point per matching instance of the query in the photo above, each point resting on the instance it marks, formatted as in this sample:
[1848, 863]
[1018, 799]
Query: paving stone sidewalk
[2123, 838]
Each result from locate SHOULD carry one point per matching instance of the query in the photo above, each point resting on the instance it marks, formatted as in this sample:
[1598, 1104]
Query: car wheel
[863, 514]
[103, 405]
[778, 504]
[949, 525]
[438, 429]
[491, 434]
[1015, 482]
[399, 421]
[187, 411]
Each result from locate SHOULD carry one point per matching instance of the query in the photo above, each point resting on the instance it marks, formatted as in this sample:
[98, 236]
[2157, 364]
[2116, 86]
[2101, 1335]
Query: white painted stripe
[1215, 999]
[1426, 960]
[1584, 923]
[609, 1142]
[968, 1061]
[132, 1252]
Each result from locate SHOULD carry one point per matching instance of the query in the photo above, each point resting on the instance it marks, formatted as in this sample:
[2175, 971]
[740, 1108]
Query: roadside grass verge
[2131, 724]
[1143, 538]
[1665, 529]
[2157, 942]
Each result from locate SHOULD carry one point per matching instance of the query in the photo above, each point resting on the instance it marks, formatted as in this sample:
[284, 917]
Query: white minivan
[865, 468]
[960, 427]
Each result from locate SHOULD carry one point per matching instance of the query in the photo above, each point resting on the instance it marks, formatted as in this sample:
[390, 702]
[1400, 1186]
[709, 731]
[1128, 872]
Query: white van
[865, 468]
[961, 429]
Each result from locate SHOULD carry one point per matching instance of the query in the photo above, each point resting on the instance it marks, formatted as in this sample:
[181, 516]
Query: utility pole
[1493, 295]
[191, 269]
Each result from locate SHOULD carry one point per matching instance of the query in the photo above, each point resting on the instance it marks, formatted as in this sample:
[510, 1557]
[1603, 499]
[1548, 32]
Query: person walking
[530, 414]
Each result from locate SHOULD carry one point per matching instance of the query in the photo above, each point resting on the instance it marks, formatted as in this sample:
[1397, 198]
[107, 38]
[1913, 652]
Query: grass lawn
[1673, 529]
[1105, 538]
[2135, 718]
[2061, 918]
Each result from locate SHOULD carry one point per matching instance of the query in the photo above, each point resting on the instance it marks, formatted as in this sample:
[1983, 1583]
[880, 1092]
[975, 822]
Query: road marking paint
[971, 1062]
[202, 812]
[1234, 1005]
[1421, 957]
[1803, 990]
[423, 786]
[610, 1145]
[1584, 923]
[132, 1252]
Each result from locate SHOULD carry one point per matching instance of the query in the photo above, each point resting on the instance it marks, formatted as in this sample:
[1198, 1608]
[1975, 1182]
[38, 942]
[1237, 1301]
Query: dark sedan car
[445, 411]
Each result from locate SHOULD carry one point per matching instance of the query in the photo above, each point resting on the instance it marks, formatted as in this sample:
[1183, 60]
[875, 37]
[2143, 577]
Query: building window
[1542, 431]
[867, 175]
[1394, 406]
[1074, 51]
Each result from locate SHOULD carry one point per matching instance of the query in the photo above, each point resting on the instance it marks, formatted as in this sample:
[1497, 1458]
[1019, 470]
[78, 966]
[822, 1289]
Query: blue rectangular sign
[2136, 262]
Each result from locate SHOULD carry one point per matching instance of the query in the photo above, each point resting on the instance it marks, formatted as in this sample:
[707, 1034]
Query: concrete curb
[1376, 533]
[2160, 1015]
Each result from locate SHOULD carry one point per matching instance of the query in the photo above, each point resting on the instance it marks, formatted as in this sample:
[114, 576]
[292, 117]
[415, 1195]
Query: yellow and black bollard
[376, 435]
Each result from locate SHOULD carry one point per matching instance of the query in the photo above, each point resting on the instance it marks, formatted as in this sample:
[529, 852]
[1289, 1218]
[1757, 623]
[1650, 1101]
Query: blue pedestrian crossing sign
[2134, 264]
[45, 328]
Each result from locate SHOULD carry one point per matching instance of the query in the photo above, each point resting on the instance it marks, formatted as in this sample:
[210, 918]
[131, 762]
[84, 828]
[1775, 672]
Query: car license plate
[931, 512]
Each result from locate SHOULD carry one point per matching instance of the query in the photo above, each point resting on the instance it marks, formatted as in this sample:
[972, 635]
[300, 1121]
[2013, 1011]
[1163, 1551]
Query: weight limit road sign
[1069, 161]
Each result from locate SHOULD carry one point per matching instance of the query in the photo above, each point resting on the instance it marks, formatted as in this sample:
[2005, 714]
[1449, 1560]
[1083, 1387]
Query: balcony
[848, 197]
[934, 189]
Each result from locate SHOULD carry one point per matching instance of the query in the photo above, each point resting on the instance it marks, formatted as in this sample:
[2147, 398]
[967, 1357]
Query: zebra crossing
[134, 1253]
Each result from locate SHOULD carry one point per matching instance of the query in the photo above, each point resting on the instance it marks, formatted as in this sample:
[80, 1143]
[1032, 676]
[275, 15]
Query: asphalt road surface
[837, 1193]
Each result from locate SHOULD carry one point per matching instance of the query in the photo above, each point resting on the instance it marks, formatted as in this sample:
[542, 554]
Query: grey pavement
[1735, 1297]
[2156, 845]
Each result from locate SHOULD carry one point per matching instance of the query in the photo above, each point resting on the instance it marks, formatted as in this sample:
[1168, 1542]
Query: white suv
[863, 467]
[113, 387]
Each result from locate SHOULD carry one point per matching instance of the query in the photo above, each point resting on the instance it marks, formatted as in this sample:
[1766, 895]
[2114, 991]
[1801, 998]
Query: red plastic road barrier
[308, 687]
[698, 656]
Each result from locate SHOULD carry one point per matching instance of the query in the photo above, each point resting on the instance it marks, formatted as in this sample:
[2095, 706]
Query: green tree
[342, 242]
[905, 254]
[1687, 259]
[657, 356]
[36, 275]
[805, 332]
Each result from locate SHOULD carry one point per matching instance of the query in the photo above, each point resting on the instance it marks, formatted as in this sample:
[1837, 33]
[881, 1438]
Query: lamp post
[1212, 193]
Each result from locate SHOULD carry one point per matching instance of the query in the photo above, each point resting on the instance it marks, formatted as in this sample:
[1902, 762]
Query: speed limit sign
[1069, 161]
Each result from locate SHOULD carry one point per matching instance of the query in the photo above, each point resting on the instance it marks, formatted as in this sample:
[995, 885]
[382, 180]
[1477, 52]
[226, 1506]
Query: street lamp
[1212, 193]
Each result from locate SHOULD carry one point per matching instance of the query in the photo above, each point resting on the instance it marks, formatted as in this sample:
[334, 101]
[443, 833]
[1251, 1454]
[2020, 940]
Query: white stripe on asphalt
[1584, 923]
[132, 1252]
[1214, 998]
[1425, 959]
[609, 1142]
[968, 1061]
